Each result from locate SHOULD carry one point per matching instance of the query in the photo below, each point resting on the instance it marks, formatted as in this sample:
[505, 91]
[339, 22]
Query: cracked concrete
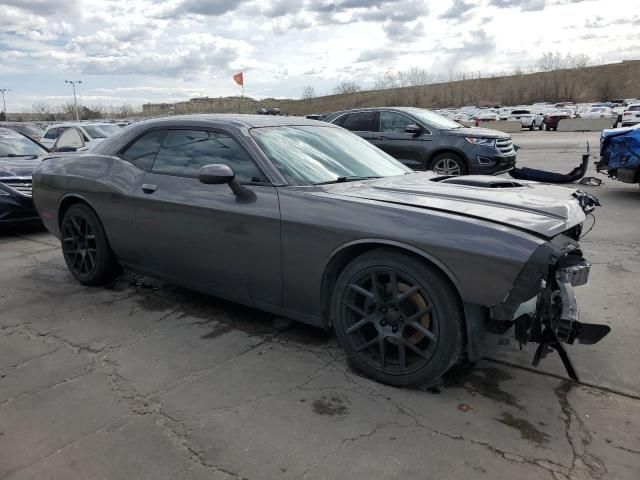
[149, 381]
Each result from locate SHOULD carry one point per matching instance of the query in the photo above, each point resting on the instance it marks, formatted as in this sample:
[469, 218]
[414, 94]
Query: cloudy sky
[137, 51]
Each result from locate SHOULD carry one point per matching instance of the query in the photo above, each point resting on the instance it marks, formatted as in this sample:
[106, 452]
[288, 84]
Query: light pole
[75, 100]
[4, 102]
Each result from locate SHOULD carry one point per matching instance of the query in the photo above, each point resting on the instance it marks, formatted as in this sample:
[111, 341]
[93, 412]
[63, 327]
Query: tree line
[557, 81]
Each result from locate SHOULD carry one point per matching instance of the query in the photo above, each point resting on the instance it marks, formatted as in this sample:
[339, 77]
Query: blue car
[620, 154]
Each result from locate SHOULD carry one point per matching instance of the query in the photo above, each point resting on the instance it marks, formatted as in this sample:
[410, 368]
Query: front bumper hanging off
[549, 278]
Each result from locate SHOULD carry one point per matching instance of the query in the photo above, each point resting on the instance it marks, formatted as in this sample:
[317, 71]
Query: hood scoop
[481, 181]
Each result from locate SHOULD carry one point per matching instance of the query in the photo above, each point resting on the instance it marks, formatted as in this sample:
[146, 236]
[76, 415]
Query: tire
[540, 127]
[85, 247]
[374, 326]
[532, 127]
[448, 164]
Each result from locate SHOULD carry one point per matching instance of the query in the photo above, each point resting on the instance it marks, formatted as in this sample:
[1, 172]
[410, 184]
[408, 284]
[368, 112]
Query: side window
[183, 152]
[394, 122]
[52, 133]
[340, 120]
[143, 152]
[359, 122]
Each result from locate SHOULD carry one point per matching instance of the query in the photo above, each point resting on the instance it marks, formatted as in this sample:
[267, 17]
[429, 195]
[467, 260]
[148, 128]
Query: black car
[19, 156]
[424, 140]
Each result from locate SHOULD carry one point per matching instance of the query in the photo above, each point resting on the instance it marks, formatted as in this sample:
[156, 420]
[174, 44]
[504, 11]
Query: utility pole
[3, 91]
[75, 100]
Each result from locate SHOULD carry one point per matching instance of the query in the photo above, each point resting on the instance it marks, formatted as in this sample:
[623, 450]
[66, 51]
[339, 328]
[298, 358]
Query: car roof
[367, 109]
[237, 120]
[17, 124]
[77, 124]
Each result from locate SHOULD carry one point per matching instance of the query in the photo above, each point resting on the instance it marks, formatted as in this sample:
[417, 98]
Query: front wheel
[398, 319]
[85, 247]
[448, 164]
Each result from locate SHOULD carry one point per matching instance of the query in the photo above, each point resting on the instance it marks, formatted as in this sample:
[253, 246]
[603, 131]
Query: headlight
[487, 142]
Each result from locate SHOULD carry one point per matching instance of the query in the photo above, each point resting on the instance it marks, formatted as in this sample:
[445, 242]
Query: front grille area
[20, 185]
[505, 145]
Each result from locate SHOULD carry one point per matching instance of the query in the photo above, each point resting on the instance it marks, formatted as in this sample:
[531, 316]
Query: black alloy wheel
[85, 247]
[392, 322]
[79, 245]
[398, 325]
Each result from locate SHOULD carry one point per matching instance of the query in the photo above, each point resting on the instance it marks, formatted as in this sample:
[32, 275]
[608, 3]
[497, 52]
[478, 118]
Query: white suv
[91, 132]
[528, 119]
[631, 115]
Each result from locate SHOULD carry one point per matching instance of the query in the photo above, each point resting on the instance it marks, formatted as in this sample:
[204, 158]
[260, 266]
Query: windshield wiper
[15, 155]
[352, 178]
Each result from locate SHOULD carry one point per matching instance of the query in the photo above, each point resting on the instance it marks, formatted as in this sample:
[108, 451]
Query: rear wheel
[85, 247]
[398, 319]
[532, 126]
[448, 164]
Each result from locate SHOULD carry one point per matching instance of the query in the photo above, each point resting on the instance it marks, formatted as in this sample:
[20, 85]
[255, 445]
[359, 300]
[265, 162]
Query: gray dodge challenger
[307, 220]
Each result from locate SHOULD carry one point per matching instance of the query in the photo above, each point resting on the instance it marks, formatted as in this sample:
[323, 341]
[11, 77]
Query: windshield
[101, 131]
[432, 119]
[19, 145]
[309, 155]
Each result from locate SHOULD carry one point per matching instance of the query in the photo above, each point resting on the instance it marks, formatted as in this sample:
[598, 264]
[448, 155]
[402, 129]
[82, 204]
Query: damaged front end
[542, 305]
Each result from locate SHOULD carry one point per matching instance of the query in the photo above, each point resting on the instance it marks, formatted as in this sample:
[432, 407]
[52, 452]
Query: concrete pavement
[149, 381]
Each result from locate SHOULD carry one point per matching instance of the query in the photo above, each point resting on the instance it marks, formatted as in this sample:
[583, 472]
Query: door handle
[148, 188]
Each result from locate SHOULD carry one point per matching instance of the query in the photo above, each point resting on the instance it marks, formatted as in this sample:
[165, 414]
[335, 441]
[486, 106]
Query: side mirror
[413, 129]
[216, 174]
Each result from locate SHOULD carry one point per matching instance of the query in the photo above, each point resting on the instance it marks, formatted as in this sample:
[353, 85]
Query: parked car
[90, 132]
[601, 112]
[551, 121]
[528, 119]
[424, 140]
[631, 115]
[620, 153]
[304, 219]
[31, 130]
[487, 117]
[19, 156]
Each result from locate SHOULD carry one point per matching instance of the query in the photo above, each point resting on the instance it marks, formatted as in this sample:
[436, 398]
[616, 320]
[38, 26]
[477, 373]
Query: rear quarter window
[360, 122]
[52, 133]
[142, 153]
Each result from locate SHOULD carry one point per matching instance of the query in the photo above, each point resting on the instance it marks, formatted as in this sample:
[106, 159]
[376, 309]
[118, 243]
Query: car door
[205, 234]
[391, 137]
[361, 123]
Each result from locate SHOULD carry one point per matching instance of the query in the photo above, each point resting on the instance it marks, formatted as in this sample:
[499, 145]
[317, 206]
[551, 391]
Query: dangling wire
[591, 227]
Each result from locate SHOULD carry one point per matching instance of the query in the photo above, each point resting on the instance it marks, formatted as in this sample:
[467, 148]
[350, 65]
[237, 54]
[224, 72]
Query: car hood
[542, 209]
[18, 167]
[476, 132]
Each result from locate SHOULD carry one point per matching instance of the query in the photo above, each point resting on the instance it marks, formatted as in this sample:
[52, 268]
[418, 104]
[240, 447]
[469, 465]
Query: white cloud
[147, 50]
